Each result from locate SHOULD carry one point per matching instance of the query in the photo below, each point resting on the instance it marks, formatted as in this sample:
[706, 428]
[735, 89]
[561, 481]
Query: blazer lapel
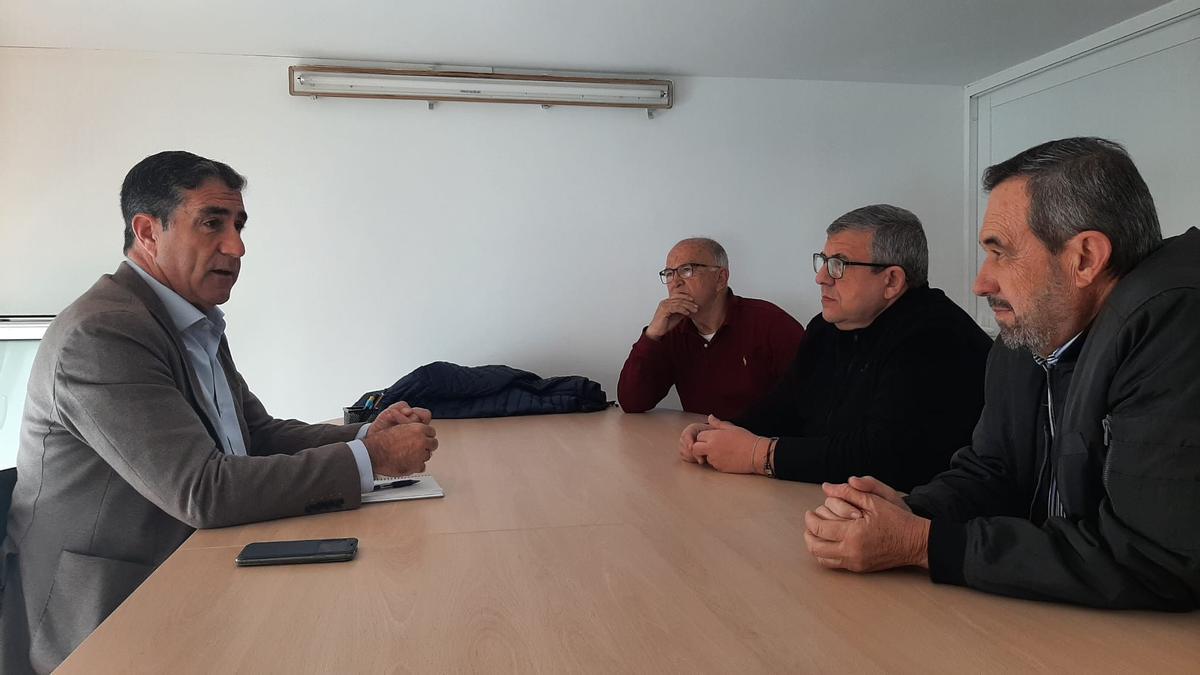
[129, 279]
[235, 389]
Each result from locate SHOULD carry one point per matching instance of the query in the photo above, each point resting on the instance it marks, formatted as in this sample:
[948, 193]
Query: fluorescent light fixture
[423, 85]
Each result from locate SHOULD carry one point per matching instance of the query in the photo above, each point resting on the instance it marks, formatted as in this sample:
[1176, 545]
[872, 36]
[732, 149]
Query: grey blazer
[118, 464]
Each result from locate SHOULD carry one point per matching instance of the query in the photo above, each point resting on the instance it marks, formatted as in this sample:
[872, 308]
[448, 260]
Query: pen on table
[397, 484]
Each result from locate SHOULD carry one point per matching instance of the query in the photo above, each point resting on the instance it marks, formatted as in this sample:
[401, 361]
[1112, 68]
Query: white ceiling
[909, 41]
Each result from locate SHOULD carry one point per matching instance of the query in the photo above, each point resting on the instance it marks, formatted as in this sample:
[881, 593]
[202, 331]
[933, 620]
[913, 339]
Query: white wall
[383, 235]
[1137, 83]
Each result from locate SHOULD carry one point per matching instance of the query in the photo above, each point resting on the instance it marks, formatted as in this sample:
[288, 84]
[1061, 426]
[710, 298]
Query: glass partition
[19, 338]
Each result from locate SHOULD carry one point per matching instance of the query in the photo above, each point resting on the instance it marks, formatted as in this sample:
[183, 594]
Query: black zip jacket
[893, 400]
[1125, 455]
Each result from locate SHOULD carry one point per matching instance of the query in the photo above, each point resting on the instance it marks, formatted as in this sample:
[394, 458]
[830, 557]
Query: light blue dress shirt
[201, 332]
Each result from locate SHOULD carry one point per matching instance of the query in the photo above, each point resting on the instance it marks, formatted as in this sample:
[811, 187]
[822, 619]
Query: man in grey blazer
[139, 429]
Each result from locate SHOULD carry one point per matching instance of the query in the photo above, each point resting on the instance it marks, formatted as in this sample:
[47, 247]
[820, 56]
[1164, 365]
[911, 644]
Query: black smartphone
[304, 551]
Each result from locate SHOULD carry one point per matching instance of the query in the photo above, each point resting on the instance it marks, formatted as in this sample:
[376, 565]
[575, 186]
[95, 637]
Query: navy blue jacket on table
[893, 400]
[1123, 456]
[452, 391]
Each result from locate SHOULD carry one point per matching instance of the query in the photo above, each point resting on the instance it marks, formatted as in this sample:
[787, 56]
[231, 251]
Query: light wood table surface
[581, 543]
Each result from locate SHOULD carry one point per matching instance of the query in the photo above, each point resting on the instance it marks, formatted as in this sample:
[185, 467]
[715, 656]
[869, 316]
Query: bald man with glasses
[721, 352]
[888, 382]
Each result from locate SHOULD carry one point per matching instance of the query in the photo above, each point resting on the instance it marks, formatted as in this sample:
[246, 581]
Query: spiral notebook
[426, 487]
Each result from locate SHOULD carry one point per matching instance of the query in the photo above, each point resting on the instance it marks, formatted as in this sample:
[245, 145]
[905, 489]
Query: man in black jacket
[889, 378]
[1082, 482]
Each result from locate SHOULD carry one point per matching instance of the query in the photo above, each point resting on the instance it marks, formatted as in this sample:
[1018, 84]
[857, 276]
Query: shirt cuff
[947, 550]
[366, 473]
[362, 431]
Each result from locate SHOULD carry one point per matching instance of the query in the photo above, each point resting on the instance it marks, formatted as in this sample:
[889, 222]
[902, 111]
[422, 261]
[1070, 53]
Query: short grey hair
[714, 249]
[1080, 184]
[899, 238]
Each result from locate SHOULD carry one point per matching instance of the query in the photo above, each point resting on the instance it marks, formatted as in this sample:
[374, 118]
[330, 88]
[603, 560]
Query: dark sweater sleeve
[646, 376]
[947, 548]
[925, 403]
[1141, 549]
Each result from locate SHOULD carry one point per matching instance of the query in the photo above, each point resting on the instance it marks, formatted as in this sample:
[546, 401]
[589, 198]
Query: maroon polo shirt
[744, 360]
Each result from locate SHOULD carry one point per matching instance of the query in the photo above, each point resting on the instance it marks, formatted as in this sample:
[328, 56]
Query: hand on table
[399, 413]
[865, 531]
[401, 448]
[836, 507]
[729, 448]
[687, 439]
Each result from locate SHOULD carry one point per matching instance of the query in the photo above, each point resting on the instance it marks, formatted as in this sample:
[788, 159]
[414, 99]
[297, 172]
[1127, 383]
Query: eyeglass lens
[835, 265]
[684, 272]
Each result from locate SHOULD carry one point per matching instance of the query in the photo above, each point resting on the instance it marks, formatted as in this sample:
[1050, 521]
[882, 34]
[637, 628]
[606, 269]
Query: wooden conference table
[572, 543]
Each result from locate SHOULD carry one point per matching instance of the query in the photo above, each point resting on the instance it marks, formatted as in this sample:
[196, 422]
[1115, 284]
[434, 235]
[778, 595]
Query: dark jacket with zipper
[893, 400]
[1124, 455]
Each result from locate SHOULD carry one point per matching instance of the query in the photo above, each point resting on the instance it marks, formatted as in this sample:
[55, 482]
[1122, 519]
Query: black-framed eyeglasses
[837, 266]
[685, 271]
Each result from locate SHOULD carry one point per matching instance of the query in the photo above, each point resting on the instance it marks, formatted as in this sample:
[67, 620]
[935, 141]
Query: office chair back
[8, 480]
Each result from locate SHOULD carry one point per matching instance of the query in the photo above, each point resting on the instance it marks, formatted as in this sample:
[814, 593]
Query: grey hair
[1085, 183]
[714, 249]
[899, 238]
